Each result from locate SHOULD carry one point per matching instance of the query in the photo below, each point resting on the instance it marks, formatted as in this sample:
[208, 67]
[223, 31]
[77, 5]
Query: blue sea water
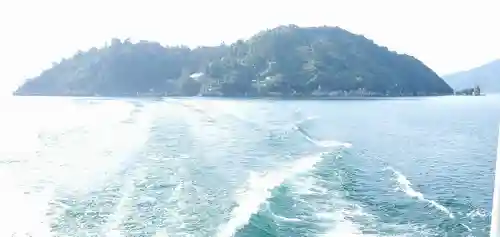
[222, 167]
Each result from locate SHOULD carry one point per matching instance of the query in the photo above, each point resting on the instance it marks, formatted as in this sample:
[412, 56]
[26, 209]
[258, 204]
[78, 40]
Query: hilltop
[284, 61]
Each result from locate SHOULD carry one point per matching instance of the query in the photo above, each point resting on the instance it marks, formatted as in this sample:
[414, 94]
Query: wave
[345, 228]
[69, 145]
[329, 210]
[477, 213]
[333, 208]
[284, 219]
[406, 186]
[112, 226]
[256, 126]
[296, 125]
[332, 143]
[321, 143]
[258, 190]
[466, 227]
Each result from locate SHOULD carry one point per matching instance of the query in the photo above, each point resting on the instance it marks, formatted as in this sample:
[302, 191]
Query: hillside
[284, 61]
[487, 77]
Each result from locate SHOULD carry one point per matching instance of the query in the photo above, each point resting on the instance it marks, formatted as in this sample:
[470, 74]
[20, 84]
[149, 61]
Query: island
[286, 61]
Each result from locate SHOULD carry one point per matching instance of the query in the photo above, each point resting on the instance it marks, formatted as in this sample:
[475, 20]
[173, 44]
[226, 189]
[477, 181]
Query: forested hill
[284, 61]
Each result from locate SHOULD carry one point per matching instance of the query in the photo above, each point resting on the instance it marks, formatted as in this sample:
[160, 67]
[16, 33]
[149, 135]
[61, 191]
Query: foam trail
[196, 109]
[256, 126]
[477, 213]
[466, 227]
[324, 143]
[23, 214]
[307, 119]
[331, 211]
[258, 192]
[112, 228]
[161, 234]
[176, 223]
[345, 229]
[285, 219]
[281, 218]
[287, 127]
[405, 186]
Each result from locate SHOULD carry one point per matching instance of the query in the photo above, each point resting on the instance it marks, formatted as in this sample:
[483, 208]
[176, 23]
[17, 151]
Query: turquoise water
[207, 167]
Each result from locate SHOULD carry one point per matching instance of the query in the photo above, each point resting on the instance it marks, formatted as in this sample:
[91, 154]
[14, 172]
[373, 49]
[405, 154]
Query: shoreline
[245, 97]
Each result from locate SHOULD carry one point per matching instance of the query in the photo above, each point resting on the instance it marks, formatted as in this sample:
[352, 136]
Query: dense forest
[284, 61]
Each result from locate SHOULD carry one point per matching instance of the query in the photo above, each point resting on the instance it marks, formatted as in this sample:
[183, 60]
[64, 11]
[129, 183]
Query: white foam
[466, 227]
[322, 143]
[105, 141]
[344, 228]
[161, 234]
[258, 190]
[405, 186]
[23, 214]
[285, 219]
[332, 143]
[66, 141]
[334, 216]
[307, 119]
[480, 213]
[179, 211]
[330, 211]
[112, 227]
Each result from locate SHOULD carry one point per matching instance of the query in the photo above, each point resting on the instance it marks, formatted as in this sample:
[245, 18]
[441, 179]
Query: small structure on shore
[475, 91]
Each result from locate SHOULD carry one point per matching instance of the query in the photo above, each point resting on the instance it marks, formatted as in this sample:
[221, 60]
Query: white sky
[447, 35]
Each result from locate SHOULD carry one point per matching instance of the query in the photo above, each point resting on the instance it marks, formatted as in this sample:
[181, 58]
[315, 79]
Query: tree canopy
[284, 61]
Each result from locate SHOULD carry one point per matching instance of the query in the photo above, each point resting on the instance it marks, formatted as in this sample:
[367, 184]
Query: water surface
[220, 167]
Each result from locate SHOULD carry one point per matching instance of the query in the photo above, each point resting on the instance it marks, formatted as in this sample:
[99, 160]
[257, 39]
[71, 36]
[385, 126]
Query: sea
[181, 167]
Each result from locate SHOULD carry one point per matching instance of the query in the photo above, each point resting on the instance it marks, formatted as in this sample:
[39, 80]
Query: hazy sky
[447, 35]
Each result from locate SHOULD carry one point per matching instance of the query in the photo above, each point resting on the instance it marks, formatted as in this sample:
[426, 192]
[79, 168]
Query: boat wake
[125, 177]
[405, 186]
[258, 189]
[321, 143]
